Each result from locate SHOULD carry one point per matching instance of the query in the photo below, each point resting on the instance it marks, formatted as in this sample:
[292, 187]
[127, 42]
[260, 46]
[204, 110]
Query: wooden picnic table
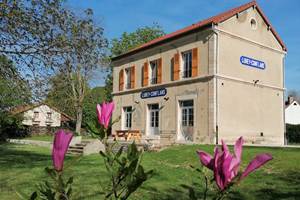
[128, 135]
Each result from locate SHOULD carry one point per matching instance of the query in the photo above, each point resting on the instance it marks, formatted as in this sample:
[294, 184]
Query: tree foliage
[295, 94]
[14, 91]
[128, 41]
[87, 55]
[125, 43]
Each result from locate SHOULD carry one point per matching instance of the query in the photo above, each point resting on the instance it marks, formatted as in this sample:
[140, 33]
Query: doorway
[186, 120]
[153, 119]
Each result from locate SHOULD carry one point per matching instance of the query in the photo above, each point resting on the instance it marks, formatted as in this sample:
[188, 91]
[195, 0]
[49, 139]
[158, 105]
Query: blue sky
[118, 16]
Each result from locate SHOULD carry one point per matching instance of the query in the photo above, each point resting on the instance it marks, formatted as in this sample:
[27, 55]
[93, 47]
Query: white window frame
[127, 117]
[178, 100]
[128, 78]
[186, 73]
[153, 74]
[156, 127]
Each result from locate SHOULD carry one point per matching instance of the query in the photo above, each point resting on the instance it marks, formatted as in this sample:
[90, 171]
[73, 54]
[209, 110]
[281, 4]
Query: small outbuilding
[42, 118]
[292, 111]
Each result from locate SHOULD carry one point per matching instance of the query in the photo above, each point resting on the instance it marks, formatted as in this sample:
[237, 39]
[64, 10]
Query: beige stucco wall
[166, 52]
[198, 91]
[42, 120]
[224, 93]
[241, 26]
[244, 108]
[191, 88]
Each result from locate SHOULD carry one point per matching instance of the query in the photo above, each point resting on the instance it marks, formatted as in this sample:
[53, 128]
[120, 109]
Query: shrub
[11, 127]
[293, 133]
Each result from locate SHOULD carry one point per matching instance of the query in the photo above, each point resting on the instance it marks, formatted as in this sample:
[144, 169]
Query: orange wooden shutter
[176, 70]
[159, 70]
[132, 81]
[195, 62]
[145, 80]
[121, 80]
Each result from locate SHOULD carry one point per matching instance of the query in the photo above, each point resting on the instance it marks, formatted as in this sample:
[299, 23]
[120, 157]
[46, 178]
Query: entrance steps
[77, 149]
[86, 147]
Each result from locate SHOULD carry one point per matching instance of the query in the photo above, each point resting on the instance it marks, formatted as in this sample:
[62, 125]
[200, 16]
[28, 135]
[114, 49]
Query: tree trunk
[78, 120]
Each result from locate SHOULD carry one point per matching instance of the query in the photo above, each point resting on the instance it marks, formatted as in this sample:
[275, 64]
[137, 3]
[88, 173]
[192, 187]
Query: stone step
[80, 145]
[76, 147]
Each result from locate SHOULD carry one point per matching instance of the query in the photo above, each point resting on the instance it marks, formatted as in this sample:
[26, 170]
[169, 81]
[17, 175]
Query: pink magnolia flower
[226, 166]
[60, 147]
[104, 112]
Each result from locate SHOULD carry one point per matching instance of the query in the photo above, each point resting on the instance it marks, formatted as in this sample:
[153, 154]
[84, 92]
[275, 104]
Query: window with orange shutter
[176, 68]
[145, 74]
[121, 80]
[195, 61]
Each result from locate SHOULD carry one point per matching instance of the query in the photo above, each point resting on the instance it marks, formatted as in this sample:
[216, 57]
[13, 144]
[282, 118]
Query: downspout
[216, 51]
[285, 142]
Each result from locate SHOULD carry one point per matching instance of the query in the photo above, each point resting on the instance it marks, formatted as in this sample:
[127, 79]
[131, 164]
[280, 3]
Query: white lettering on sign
[252, 62]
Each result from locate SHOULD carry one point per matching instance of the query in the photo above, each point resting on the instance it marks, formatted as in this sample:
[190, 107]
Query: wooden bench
[128, 135]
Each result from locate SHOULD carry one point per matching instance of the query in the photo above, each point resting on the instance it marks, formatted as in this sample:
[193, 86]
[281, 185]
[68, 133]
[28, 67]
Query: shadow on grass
[17, 158]
[288, 190]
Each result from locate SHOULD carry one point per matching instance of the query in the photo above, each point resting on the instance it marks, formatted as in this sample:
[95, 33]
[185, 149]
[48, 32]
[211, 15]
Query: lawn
[22, 167]
[49, 138]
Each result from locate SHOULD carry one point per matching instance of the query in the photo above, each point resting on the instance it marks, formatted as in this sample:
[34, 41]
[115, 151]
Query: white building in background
[42, 115]
[292, 111]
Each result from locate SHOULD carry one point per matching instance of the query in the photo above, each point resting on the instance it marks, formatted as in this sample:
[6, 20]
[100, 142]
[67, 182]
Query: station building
[220, 78]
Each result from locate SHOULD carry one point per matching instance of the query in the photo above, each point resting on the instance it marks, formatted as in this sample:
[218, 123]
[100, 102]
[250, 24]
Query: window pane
[128, 116]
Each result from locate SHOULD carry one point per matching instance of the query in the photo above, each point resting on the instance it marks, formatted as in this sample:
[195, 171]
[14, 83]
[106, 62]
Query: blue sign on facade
[154, 93]
[252, 62]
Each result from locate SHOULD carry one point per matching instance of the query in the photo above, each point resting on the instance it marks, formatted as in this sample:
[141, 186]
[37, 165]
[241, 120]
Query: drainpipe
[216, 80]
[283, 72]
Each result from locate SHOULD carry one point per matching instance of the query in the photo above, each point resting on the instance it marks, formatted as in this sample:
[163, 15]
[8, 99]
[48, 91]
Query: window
[154, 115]
[35, 115]
[187, 115]
[153, 65]
[49, 115]
[127, 117]
[253, 24]
[187, 64]
[128, 78]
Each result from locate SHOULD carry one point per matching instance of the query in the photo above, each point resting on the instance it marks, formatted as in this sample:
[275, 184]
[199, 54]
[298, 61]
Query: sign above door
[154, 93]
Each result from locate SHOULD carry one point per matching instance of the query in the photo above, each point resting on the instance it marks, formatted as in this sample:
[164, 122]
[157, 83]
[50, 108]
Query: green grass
[49, 138]
[21, 168]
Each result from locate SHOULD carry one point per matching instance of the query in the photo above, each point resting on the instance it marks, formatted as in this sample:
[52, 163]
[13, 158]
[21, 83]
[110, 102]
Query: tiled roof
[202, 24]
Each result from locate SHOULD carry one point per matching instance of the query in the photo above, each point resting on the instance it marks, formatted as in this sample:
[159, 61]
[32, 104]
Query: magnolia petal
[99, 114]
[206, 159]
[256, 163]
[238, 148]
[60, 147]
[225, 149]
[104, 112]
[218, 168]
[109, 109]
[226, 171]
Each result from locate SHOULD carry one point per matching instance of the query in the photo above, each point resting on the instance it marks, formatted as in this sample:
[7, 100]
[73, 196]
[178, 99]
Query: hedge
[293, 133]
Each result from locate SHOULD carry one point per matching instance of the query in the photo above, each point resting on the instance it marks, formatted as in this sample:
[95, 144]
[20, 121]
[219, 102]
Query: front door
[153, 119]
[186, 120]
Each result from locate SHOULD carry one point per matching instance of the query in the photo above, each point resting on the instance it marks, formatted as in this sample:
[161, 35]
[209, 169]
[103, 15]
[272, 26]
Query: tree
[60, 94]
[93, 97]
[125, 43]
[88, 50]
[14, 91]
[295, 94]
[31, 36]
